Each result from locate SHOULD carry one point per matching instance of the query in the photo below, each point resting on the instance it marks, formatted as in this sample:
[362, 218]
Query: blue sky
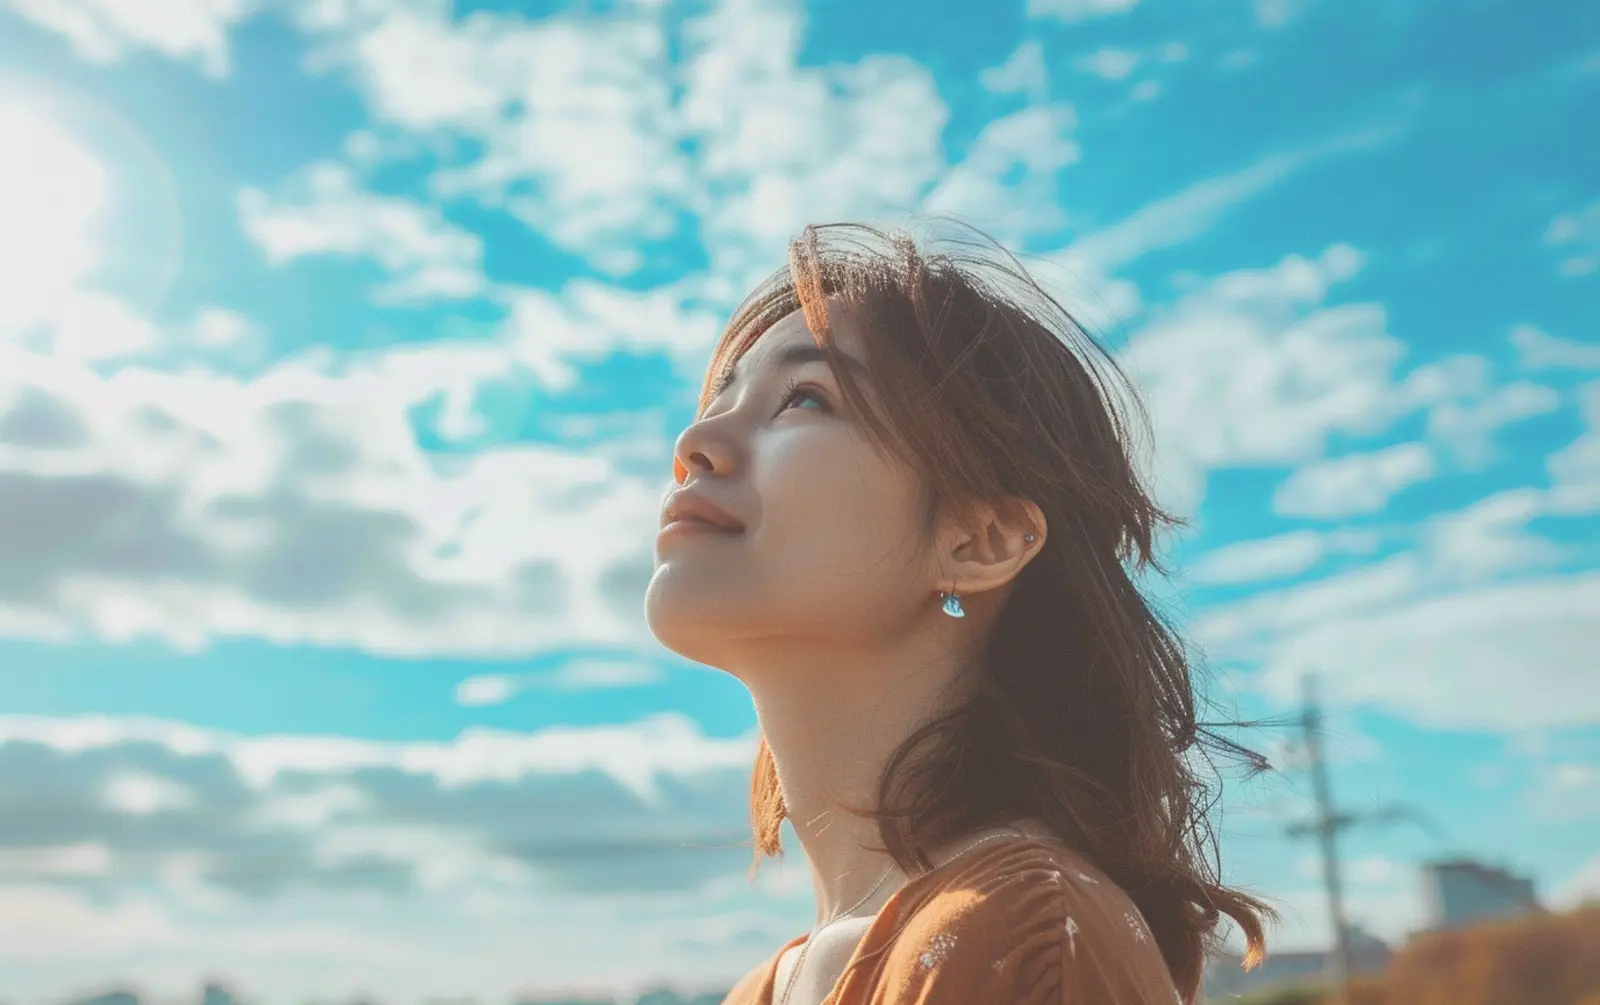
[343, 342]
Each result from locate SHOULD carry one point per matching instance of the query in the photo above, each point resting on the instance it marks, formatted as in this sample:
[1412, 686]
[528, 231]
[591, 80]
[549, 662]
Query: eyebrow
[795, 355]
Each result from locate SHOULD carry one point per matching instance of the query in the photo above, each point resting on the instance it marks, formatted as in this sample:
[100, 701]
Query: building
[217, 993]
[1462, 891]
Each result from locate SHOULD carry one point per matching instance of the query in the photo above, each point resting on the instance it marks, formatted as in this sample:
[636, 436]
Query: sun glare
[52, 194]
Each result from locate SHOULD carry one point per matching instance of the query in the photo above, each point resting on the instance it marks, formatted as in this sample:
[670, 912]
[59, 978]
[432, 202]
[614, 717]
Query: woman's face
[823, 541]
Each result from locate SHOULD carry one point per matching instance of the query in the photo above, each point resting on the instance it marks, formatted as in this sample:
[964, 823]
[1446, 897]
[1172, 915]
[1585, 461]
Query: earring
[952, 605]
[1028, 538]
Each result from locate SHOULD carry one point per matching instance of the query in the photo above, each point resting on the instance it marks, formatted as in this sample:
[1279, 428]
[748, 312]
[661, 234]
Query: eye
[798, 392]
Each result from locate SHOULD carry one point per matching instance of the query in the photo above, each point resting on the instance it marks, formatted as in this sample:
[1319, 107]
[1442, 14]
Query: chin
[684, 616]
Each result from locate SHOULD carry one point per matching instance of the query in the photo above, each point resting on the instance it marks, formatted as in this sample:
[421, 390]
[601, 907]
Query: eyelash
[795, 388]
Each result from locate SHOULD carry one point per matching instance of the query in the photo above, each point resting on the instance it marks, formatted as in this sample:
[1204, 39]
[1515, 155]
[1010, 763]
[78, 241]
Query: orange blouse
[1018, 922]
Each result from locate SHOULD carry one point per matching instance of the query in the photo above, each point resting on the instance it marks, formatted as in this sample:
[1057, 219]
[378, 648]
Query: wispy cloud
[1185, 215]
[1577, 235]
[1078, 10]
[298, 862]
[103, 31]
[1353, 484]
[1539, 350]
[327, 212]
[1023, 72]
[1282, 556]
[297, 505]
[581, 674]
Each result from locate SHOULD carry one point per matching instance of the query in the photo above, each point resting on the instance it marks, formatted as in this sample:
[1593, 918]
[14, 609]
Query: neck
[831, 733]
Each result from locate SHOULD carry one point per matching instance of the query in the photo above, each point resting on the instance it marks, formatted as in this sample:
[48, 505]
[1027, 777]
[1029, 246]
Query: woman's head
[893, 423]
[837, 540]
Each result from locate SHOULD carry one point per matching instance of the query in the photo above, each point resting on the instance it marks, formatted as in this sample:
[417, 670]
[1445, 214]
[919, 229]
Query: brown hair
[1083, 714]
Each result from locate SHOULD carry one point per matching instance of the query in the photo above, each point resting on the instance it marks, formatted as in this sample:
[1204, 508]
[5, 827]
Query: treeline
[1541, 959]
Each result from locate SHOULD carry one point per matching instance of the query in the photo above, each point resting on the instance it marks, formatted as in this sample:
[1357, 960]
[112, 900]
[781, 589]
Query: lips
[690, 507]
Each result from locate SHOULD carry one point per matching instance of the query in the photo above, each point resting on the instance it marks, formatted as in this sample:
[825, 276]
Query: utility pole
[1326, 826]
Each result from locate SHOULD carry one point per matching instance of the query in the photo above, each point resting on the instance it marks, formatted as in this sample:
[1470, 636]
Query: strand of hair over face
[805, 267]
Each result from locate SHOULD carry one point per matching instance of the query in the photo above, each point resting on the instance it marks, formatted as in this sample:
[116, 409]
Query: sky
[343, 344]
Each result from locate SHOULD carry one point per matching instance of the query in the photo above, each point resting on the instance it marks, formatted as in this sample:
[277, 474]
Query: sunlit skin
[827, 604]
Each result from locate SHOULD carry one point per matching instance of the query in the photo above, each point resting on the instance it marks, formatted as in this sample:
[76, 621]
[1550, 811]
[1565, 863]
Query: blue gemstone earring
[952, 605]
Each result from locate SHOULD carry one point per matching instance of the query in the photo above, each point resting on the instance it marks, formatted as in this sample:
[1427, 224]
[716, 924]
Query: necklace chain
[799, 961]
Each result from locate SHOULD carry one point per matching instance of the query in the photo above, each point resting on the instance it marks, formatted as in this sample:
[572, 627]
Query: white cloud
[548, 332]
[579, 107]
[1173, 52]
[1023, 72]
[1078, 10]
[1565, 788]
[138, 794]
[486, 689]
[1577, 234]
[784, 145]
[1277, 13]
[1465, 630]
[39, 921]
[53, 198]
[1466, 427]
[588, 674]
[774, 145]
[298, 506]
[53, 862]
[636, 756]
[1006, 184]
[1390, 911]
[1110, 63]
[102, 31]
[1505, 657]
[218, 327]
[1575, 469]
[326, 212]
[1353, 484]
[1277, 557]
[302, 863]
[1175, 219]
[1182, 216]
[1248, 629]
[581, 124]
[1146, 90]
[1539, 350]
[582, 674]
[1368, 870]
[1249, 369]
[1252, 369]
[1582, 887]
[570, 118]
[1490, 536]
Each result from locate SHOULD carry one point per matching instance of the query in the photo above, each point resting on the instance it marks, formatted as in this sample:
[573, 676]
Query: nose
[701, 449]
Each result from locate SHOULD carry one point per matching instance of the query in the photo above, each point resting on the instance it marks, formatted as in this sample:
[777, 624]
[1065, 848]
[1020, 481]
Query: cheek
[833, 548]
[837, 510]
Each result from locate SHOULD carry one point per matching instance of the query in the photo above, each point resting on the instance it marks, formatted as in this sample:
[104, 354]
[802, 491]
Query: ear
[989, 548]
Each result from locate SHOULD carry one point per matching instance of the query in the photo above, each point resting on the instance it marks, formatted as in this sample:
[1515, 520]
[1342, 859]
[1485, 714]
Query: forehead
[791, 330]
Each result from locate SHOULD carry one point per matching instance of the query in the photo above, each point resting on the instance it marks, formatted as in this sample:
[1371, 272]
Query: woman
[904, 518]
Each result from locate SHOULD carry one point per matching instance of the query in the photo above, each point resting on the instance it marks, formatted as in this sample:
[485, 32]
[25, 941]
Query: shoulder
[1030, 922]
